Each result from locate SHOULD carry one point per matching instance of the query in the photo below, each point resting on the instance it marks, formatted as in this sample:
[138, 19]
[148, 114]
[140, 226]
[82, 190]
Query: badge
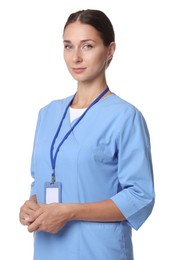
[53, 192]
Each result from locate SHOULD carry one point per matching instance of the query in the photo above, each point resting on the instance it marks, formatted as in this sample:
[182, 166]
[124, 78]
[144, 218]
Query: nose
[77, 56]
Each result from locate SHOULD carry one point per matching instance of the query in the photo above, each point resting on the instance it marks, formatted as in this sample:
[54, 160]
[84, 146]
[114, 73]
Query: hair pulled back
[98, 20]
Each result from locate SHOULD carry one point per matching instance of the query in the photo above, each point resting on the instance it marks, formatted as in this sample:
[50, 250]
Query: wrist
[73, 211]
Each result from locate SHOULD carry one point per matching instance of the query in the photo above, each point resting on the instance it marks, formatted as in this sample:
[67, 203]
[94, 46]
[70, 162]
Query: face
[84, 52]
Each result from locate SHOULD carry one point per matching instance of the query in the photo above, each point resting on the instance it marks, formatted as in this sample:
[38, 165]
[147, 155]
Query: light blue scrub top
[107, 156]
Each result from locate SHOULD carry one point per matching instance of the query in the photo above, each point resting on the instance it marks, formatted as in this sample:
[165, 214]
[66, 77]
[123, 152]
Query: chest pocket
[105, 154]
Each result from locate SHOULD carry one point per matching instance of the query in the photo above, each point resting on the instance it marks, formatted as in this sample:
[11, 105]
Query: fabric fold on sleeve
[136, 197]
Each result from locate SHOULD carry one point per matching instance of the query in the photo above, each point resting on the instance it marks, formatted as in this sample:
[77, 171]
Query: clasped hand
[43, 217]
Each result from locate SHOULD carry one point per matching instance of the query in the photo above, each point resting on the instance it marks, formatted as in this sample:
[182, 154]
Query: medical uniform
[106, 156]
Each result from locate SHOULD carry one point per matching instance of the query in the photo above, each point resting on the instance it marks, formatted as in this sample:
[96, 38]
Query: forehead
[78, 31]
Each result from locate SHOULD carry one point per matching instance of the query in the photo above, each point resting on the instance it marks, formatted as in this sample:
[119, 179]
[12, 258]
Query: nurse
[91, 162]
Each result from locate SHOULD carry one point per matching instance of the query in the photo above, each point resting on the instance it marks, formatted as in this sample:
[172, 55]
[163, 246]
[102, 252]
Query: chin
[79, 78]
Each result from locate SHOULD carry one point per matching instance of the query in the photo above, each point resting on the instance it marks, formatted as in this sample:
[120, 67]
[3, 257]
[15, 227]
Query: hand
[49, 218]
[28, 209]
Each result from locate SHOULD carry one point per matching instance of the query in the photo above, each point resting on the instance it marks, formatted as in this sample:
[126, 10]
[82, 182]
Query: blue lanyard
[54, 157]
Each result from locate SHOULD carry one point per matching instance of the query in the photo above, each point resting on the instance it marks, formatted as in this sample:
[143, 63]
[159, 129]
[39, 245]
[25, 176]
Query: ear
[111, 50]
[110, 53]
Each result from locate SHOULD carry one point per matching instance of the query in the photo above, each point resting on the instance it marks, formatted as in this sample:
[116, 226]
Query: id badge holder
[53, 192]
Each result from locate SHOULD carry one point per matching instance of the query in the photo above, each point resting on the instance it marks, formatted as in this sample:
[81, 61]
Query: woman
[91, 162]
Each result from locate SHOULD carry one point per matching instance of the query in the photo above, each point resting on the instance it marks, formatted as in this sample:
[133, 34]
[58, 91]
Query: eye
[68, 46]
[87, 46]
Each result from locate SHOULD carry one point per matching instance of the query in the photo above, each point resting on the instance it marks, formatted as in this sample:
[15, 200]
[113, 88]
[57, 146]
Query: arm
[52, 217]
[135, 171]
[103, 211]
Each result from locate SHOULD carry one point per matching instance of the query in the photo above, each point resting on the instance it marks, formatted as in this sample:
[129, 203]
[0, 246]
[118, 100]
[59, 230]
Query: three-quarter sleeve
[33, 161]
[135, 198]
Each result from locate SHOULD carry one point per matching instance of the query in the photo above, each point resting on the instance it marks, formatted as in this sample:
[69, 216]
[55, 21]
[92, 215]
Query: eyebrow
[86, 40]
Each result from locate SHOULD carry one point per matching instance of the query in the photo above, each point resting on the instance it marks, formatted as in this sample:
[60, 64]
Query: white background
[147, 70]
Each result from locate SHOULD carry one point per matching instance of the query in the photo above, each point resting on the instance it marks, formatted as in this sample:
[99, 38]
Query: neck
[86, 95]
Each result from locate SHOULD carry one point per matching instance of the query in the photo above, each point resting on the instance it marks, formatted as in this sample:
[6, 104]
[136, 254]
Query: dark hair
[98, 20]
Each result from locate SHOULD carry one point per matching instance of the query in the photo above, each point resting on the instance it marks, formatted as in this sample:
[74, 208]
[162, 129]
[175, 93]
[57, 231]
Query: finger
[27, 208]
[24, 220]
[32, 205]
[33, 215]
[34, 226]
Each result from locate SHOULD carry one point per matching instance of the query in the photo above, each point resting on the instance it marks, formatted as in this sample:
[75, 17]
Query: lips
[78, 70]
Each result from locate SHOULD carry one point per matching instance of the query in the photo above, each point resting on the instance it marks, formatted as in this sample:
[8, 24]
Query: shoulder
[123, 114]
[55, 105]
[121, 107]
[130, 121]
